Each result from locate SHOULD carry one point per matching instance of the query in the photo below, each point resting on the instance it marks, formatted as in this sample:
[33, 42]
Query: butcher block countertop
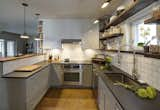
[28, 68]
[25, 75]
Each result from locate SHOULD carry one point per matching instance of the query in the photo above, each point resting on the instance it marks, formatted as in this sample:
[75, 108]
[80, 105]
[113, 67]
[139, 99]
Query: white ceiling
[11, 11]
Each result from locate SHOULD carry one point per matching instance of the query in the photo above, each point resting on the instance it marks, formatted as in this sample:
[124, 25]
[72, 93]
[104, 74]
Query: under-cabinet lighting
[37, 39]
[96, 21]
[105, 4]
[24, 37]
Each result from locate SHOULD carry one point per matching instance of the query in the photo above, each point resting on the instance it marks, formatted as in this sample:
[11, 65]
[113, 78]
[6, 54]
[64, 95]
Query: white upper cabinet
[90, 40]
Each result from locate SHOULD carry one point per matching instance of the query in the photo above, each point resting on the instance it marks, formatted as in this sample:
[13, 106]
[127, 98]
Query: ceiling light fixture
[37, 39]
[38, 35]
[96, 21]
[105, 4]
[24, 35]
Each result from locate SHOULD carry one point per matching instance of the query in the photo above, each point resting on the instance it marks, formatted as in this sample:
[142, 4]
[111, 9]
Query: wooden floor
[68, 99]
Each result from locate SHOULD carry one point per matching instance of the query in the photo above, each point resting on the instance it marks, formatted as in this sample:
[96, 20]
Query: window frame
[14, 44]
[135, 32]
[3, 47]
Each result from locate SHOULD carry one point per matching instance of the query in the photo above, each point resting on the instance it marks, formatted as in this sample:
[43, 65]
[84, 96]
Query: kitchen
[79, 54]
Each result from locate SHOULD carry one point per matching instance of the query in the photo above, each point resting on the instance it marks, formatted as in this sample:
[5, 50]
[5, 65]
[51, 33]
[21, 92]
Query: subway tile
[148, 68]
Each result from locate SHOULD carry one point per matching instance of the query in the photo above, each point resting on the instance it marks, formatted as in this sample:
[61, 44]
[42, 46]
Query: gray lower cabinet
[36, 87]
[25, 94]
[106, 100]
[56, 71]
[87, 75]
[101, 95]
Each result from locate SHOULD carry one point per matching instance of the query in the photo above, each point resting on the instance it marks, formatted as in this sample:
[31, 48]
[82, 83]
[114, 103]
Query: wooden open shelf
[136, 7]
[153, 20]
[151, 55]
[111, 36]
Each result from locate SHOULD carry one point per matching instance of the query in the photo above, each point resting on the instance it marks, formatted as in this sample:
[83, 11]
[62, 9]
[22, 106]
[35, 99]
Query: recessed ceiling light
[96, 21]
[105, 4]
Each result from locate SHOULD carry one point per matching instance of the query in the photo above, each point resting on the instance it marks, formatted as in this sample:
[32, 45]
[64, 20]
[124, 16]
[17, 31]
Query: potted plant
[144, 33]
[108, 61]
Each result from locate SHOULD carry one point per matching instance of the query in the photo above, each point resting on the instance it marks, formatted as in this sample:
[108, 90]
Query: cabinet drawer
[111, 101]
[34, 100]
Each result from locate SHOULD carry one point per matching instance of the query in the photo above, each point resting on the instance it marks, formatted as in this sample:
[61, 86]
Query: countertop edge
[20, 57]
[26, 77]
[46, 63]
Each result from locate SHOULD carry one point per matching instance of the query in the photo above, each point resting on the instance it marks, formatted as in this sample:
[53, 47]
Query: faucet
[134, 69]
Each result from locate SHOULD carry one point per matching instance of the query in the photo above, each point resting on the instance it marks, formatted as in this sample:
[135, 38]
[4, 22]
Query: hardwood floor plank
[68, 99]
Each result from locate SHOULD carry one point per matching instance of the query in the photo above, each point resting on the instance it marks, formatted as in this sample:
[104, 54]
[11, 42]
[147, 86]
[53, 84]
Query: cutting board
[28, 68]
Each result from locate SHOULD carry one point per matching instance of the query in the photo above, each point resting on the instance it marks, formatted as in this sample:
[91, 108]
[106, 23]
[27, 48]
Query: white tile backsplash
[148, 68]
[76, 52]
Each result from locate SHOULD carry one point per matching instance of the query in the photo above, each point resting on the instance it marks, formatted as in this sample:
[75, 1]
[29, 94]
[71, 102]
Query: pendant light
[105, 4]
[24, 35]
[38, 36]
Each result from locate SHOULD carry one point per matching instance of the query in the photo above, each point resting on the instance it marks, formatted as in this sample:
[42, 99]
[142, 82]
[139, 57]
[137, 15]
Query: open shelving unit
[153, 20]
[111, 36]
[136, 7]
[132, 10]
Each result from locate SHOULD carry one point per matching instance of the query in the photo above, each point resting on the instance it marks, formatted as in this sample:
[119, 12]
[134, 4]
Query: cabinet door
[90, 39]
[36, 87]
[106, 100]
[110, 102]
[56, 74]
[87, 75]
[101, 95]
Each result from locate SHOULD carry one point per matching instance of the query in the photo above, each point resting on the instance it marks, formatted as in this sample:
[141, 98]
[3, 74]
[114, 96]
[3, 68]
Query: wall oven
[72, 74]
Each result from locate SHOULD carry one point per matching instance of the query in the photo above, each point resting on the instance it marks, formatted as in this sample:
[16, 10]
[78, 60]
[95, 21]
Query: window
[145, 33]
[10, 48]
[2, 53]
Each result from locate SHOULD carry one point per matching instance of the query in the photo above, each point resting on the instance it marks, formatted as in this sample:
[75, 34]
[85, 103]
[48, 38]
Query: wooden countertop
[25, 75]
[43, 64]
[4, 59]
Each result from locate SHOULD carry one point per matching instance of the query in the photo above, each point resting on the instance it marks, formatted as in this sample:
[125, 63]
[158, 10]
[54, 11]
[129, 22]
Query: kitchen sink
[121, 78]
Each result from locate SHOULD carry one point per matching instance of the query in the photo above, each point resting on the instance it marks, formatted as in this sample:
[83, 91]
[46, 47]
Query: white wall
[57, 29]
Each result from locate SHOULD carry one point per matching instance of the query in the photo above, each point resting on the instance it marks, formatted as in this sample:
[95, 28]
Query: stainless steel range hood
[63, 41]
